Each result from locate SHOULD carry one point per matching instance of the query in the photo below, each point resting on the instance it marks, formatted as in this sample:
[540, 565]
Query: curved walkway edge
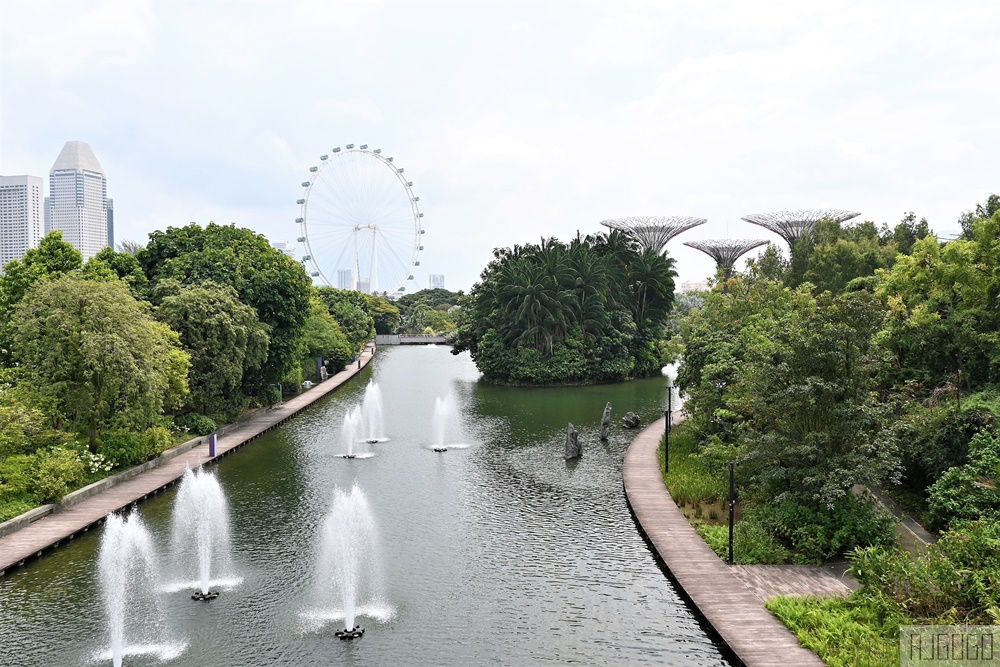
[66, 521]
[756, 637]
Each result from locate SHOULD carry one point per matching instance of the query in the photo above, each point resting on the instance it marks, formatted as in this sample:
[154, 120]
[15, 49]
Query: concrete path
[66, 523]
[756, 637]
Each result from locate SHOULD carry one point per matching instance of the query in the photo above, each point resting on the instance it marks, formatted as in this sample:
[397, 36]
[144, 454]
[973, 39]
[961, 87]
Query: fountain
[371, 413]
[126, 566]
[201, 530]
[348, 570]
[350, 434]
[446, 424]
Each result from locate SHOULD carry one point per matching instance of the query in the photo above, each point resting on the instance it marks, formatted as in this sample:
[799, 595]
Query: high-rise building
[436, 281]
[77, 204]
[21, 222]
[111, 223]
[343, 279]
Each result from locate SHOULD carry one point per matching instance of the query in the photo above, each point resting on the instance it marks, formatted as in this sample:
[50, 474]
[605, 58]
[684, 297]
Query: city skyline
[514, 120]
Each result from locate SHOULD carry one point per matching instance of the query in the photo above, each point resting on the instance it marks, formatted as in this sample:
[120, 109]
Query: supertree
[654, 231]
[790, 225]
[725, 252]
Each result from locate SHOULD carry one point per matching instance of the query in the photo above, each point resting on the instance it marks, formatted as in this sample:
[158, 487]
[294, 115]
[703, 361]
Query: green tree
[982, 211]
[350, 310]
[124, 266]
[96, 351]
[386, 316]
[223, 336]
[273, 284]
[323, 337]
[52, 258]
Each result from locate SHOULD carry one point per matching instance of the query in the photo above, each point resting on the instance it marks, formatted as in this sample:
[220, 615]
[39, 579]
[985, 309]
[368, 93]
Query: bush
[196, 424]
[961, 493]
[57, 472]
[817, 535]
[123, 448]
[752, 544]
[17, 474]
[156, 440]
[955, 581]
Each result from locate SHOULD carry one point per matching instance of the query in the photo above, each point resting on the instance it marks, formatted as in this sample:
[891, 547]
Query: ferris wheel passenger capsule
[300, 201]
[377, 151]
[337, 149]
[363, 147]
[299, 220]
[350, 146]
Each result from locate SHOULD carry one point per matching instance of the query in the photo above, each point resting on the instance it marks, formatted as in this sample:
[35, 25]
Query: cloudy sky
[513, 119]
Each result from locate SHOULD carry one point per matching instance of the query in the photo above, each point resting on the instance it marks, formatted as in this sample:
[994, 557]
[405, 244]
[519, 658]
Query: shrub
[124, 448]
[156, 440]
[752, 544]
[960, 494]
[57, 472]
[955, 581]
[17, 474]
[817, 535]
[196, 424]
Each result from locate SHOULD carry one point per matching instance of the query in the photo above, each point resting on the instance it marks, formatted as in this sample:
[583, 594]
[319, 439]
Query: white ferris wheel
[360, 222]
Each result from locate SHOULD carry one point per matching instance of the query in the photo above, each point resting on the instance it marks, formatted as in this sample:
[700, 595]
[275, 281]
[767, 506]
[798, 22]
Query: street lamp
[668, 415]
[732, 506]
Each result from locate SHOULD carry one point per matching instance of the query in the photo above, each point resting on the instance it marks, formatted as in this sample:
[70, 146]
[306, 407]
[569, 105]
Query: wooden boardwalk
[50, 531]
[732, 609]
[768, 581]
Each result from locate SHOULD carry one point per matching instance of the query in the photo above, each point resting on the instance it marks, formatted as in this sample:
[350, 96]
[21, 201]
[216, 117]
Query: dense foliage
[591, 310]
[848, 365]
[107, 363]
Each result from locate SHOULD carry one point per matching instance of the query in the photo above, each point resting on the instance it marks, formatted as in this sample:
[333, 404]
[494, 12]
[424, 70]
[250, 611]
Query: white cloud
[65, 36]
[358, 107]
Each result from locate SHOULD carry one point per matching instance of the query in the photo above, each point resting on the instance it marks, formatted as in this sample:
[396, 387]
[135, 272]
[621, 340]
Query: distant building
[21, 220]
[343, 279]
[284, 248]
[694, 286]
[436, 281]
[111, 223]
[77, 204]
[365, 285]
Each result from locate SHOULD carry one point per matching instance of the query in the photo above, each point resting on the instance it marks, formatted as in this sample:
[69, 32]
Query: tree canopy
[587, 311]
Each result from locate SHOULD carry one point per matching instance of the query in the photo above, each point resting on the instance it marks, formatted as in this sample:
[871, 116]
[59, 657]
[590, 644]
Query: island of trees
[591, 310]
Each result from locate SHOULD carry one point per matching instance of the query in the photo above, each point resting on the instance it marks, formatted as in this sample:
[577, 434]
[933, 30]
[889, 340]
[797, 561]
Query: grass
[690, 480]
[843, 632]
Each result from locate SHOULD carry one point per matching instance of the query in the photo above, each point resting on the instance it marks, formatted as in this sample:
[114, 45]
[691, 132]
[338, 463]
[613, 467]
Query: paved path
[53, 529]
[768, 581]
[756, 637]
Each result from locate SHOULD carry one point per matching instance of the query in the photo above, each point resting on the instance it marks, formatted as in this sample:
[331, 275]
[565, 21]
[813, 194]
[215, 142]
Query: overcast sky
[513, 119]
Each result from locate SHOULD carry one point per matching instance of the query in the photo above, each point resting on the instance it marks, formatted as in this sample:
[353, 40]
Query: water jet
[200, 533]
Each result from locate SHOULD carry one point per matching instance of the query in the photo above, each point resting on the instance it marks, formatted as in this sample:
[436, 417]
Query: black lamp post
[732, 507]
[668, 417]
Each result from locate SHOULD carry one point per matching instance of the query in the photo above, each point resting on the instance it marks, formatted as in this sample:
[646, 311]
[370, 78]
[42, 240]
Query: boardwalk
[756, 637]
[53, 529]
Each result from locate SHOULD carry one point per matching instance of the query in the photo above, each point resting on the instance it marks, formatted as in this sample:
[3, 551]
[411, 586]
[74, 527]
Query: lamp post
[668, 417]
[732, 507]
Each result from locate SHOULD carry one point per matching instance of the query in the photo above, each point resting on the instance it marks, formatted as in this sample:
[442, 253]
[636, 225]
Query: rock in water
[606, 421]
[630, 420]
[573, 449]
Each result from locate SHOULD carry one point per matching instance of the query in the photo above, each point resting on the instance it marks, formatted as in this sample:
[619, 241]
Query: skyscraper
[435, 281]
[21, 221]
[344, 279]
[77, 203]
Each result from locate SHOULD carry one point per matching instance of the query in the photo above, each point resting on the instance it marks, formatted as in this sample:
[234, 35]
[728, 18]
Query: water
[200, 533]
[497, 554]
[127, 572]
[371, 414]
[348, 564]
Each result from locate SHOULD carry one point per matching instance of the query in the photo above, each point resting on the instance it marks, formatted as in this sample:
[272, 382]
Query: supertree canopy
[790, 225]
[725, 252]
[654, 231]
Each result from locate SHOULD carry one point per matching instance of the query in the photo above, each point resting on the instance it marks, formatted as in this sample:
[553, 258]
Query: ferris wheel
[360, 222]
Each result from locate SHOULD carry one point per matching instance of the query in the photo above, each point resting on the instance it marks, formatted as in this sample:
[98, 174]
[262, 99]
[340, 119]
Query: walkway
[756, 637]
[67, 522]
